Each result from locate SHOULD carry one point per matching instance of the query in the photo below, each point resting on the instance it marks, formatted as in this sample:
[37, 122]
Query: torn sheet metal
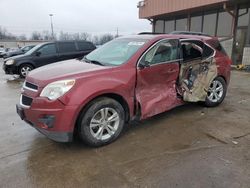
[195, 79]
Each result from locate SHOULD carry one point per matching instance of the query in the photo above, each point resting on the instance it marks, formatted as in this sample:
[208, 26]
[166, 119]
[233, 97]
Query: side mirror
[38, 53]
[144, 64]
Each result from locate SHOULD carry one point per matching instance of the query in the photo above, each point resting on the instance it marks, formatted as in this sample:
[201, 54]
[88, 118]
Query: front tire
[102, 122]
[216, 92]
[25, 69]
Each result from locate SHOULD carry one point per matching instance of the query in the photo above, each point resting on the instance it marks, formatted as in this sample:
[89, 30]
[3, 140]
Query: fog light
[47, 121]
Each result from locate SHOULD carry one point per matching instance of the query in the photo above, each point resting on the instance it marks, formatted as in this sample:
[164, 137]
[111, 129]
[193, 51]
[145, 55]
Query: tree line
[46, 35]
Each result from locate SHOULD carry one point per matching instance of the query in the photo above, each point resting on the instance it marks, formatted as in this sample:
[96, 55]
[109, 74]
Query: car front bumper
[51, 118]
[10, 69]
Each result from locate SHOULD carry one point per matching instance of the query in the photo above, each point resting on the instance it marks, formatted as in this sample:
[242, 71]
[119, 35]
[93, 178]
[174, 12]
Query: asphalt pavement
[190, 146]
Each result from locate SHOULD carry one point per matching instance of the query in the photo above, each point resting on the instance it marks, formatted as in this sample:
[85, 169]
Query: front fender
[121, 83]
[21, 62]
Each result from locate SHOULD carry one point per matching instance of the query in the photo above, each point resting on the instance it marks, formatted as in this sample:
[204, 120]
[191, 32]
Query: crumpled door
[195, 79]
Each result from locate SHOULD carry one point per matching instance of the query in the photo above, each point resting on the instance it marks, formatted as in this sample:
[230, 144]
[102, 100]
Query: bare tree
[64, 36]
[95, 40]
[105, 38]
[4, 34]
[36, 36]
[46, 35]
[75, 36]
[22, 37]
[85, 36]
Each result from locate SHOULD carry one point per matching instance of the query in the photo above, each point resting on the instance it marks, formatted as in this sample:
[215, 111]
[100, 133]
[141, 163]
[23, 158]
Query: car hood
[16, 52]
[62, 70]
[18, 57]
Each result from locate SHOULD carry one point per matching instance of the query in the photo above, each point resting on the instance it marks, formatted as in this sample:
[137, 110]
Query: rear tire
[25, 69]
[102, 122]
[216, 93]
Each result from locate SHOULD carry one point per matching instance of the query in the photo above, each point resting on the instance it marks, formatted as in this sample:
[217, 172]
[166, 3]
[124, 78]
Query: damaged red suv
[129, 78]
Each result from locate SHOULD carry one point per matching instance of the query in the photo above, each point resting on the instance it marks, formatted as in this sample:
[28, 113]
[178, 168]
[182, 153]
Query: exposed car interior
[196, 71]
[191, 52]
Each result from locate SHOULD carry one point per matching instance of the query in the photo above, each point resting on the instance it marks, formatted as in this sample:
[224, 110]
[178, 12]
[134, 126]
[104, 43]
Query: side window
[66, 47]
[162, 52]
[85, 46]
[49, 49]
[191, 50]
[207, 52]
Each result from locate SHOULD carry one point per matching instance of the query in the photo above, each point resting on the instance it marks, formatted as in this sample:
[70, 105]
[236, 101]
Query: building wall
[16, 44]
[215, 22]
[228, 20]
[154, 8]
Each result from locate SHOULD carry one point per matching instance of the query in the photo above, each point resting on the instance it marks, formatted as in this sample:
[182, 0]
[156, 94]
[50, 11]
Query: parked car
[23, 50]
[46, 53]
[129, 78]
[8, 50]
[3, 51]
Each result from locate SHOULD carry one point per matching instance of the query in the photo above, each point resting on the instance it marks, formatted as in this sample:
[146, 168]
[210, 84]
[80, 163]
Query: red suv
[129, 78]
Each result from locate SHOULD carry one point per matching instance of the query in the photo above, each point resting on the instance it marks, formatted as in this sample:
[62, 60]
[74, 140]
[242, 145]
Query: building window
[181, 24]
[169, 26]
[244, 19]
[159, 26]
[196, 23]
[224, 24]
[209, 25]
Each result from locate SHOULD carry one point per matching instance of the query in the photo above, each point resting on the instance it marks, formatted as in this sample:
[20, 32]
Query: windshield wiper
[92, 61]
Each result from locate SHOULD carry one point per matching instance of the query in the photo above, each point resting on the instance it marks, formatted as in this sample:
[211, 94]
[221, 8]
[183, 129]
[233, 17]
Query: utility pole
[51, 23]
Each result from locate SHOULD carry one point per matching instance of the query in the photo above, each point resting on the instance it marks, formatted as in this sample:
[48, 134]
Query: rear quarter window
[82, 46]
[217, 45]
[207, 52]
[66, 47]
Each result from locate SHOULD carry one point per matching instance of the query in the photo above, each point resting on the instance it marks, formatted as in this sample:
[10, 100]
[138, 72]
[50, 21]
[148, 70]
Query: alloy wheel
[215, 91]
[25, 70]
[104, 123]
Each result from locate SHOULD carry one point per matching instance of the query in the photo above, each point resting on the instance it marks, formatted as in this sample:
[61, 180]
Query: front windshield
[116, 52]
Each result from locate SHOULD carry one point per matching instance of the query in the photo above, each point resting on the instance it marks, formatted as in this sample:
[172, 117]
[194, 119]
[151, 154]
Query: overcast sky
[92, 16]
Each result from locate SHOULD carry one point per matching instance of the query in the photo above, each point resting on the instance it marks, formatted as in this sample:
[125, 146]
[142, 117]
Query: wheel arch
[114, 96]
[223, 77]
[25, 63]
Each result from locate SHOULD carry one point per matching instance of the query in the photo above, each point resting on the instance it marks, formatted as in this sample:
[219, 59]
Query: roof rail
[149, 33]
[189, 33]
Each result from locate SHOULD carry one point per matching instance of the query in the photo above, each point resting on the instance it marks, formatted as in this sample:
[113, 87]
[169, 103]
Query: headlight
[10, 62]
[57, 89]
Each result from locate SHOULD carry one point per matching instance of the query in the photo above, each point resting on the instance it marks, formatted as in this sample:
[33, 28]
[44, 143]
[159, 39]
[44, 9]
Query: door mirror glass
[143, 64]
